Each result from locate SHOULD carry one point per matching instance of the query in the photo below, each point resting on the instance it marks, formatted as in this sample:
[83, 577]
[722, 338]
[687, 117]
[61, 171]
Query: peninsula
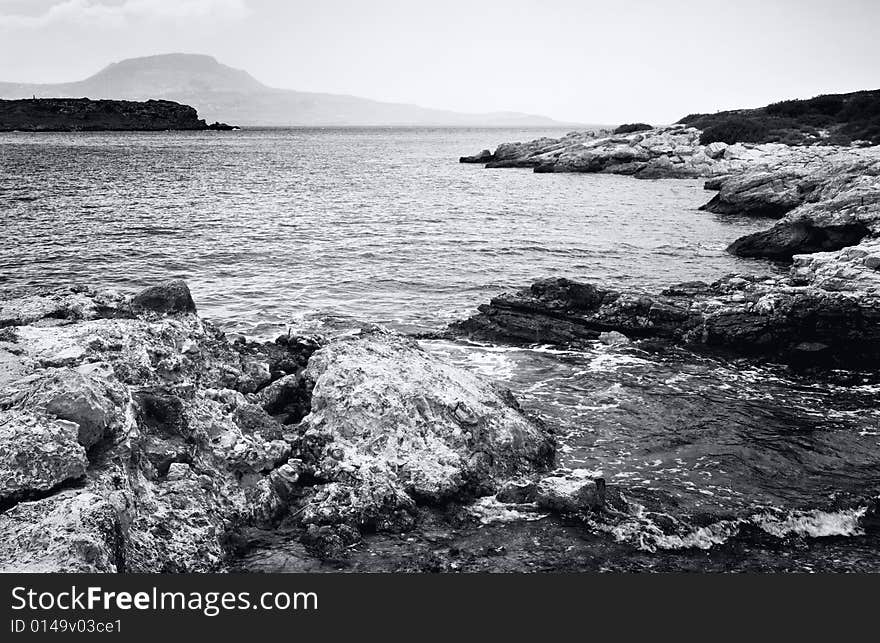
[85, 115]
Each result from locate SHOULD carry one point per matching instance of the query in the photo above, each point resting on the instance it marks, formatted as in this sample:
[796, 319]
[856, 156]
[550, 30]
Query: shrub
[734, 130]
[628, 128]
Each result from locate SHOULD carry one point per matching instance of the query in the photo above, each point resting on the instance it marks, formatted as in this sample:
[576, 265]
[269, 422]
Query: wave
[652, 531]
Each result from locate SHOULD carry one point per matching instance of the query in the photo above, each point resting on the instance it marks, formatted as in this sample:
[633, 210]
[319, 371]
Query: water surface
[323, 229]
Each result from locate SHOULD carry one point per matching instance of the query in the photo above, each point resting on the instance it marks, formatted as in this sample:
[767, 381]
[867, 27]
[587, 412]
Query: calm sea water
[381, 225]
[322, 229]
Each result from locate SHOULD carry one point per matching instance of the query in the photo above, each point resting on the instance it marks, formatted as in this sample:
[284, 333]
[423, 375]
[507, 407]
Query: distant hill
[830, 118]
[221, 93]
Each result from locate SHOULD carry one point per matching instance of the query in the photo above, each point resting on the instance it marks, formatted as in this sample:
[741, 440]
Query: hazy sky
[575, 60]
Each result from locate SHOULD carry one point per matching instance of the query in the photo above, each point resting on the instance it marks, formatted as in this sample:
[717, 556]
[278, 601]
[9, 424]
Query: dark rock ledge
[134, 436]
[794, 319]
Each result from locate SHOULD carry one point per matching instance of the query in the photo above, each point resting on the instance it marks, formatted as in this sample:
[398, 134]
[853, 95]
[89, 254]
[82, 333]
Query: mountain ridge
[224, 93]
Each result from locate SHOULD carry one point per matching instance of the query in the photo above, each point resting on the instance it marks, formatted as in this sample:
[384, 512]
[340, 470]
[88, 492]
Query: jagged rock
[73, 303]
[570, 494]
[37, 454]
[483, 157]
[830, 199]
[855, 269]
[392, 425]
[380, 400]
[785, 240]
[613, 338]
[183, 454]
[89, 395]
[169, 298]
[716, 150]
[764, 317]
[288, 398]
[517, 492]
[70, 532]
[759, 193]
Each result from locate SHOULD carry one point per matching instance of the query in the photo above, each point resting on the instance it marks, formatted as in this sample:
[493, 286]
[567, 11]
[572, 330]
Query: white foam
[814, 524]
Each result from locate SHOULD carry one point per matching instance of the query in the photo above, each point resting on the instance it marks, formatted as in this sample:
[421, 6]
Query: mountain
[221, 93]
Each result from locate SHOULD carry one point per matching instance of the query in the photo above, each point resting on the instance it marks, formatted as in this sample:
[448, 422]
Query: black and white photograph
[505, 287]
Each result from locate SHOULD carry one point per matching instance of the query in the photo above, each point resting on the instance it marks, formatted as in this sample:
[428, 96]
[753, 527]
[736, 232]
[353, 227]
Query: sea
[731, 464]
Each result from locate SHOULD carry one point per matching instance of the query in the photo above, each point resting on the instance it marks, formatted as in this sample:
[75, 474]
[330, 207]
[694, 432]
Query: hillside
[222, 93]
[837, 119]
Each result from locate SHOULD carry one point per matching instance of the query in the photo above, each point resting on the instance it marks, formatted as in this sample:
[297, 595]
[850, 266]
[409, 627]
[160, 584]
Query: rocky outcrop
[826, 197]
[785, 240]
[135, 437]
[484, 156]
[82, 114]
[661, 152]
[829, 201]
[798, 318]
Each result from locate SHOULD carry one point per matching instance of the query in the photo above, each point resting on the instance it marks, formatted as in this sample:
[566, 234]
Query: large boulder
[391, 424]
[171, 297]
[785, 240]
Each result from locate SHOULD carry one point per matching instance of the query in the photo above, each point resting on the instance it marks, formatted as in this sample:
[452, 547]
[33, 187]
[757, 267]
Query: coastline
[335, 515]
[85, 115]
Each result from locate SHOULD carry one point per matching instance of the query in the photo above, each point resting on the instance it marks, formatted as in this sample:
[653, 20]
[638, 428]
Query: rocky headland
[824, 197]
[85, 115]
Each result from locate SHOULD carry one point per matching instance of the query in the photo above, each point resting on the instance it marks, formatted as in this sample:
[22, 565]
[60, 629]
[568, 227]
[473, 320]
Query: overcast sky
[575, 60]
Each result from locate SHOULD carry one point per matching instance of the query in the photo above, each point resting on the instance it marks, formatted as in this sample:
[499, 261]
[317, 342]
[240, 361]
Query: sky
[574, 60]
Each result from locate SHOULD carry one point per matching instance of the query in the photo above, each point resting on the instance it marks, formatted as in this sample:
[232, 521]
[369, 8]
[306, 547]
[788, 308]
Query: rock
[70, 532]
[751, 316]
[570, 493]
[171, 297]
[716, 150]
[182, 453]
[784, 240]
[828, 196]
[37, 455]
[613, 338]
[178, 471]
[637, 150]
[483, 157]
[89, 396]
[870, 521]
[853, 269]
[48, 305]
[517, 492]
[758, 194]
[288, 399]
[392, 425]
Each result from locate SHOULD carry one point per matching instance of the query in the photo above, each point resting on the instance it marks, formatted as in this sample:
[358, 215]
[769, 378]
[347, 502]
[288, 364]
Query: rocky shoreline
[826, 200]
[85, 115]
[136, 437]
